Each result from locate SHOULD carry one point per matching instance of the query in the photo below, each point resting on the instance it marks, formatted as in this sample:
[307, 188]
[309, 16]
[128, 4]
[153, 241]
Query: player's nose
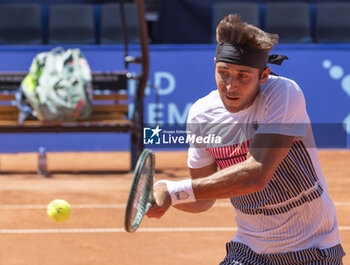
[231, 85]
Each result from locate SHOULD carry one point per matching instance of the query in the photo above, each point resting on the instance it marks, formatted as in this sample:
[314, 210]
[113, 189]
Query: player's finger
[155, 211]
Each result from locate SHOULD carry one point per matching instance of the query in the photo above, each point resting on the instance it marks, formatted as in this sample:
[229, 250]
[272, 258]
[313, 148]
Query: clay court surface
[94, 234]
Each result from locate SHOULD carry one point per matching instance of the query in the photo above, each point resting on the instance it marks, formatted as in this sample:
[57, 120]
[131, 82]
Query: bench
[110, 108]
[109, 114]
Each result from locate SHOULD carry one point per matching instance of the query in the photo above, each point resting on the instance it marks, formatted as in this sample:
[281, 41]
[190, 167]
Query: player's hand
[161, 201]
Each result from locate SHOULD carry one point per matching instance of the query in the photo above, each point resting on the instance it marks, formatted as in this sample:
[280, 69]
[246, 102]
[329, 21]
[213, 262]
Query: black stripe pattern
[233, 157]
[294, 183]
[240, 254]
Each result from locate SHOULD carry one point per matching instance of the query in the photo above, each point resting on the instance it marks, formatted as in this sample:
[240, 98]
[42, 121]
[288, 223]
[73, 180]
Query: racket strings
[140, 202]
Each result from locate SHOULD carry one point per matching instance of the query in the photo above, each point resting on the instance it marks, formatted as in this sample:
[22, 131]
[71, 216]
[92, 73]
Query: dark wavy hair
[232, 30]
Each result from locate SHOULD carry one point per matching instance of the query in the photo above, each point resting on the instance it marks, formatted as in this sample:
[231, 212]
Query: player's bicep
[269, 150]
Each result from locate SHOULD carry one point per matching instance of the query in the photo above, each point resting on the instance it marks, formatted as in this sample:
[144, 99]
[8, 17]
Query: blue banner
[181, 74]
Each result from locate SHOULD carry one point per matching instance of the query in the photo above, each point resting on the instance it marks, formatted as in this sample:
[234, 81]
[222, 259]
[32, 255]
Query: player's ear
[214, 59]
[264, 75]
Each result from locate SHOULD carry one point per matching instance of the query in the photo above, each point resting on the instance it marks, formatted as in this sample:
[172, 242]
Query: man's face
[238, 85]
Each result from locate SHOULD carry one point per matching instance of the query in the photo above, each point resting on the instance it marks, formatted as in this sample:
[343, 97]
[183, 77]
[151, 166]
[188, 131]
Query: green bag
[58, 86]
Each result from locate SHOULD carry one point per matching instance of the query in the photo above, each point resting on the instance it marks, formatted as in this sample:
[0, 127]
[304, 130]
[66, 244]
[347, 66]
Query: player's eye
[243, 76]
[224, 74]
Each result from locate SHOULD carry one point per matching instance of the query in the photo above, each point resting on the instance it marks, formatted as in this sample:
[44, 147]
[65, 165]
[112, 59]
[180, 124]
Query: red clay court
[94, 234]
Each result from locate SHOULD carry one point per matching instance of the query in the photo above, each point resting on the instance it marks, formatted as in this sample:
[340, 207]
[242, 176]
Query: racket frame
[147, 200]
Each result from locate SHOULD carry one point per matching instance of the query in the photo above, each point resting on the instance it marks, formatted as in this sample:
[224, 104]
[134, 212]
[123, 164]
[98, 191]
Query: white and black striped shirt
[294, 211]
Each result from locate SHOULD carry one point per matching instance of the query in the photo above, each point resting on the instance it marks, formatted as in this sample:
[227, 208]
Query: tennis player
[268, 162]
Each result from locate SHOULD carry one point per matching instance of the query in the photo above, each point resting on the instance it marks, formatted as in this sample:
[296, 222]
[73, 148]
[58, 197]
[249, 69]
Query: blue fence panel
[181, 74]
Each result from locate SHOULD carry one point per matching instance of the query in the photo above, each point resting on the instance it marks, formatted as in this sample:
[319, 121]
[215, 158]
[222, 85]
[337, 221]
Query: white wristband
[180, 191]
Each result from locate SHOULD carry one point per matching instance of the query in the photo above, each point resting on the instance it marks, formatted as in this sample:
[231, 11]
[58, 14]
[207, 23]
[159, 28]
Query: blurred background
[315, 35]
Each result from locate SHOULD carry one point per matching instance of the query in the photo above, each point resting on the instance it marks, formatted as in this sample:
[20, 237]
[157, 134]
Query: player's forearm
[195, 207]
[240, 179]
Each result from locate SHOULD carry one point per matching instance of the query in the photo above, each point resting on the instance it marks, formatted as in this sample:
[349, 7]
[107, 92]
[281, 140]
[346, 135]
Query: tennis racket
[141, 191]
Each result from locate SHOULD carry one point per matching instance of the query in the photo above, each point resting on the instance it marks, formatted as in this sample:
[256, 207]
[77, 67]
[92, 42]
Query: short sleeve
[198, 157]
[285, 110]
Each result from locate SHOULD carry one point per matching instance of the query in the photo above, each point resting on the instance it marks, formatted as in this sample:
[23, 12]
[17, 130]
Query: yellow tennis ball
[59, 210]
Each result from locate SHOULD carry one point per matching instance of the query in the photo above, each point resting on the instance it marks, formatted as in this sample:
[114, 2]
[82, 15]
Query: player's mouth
[234, 98]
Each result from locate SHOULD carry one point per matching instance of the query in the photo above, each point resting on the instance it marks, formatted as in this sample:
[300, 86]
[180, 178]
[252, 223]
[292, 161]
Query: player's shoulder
[204, 106]
[280, 85]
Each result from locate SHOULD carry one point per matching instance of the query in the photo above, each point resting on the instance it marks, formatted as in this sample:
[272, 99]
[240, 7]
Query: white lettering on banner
[155, 113]
[162, 91]
[132, 87]
[174, 116]
[159, 77]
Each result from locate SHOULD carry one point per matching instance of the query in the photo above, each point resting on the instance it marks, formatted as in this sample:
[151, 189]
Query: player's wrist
[179, 191]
